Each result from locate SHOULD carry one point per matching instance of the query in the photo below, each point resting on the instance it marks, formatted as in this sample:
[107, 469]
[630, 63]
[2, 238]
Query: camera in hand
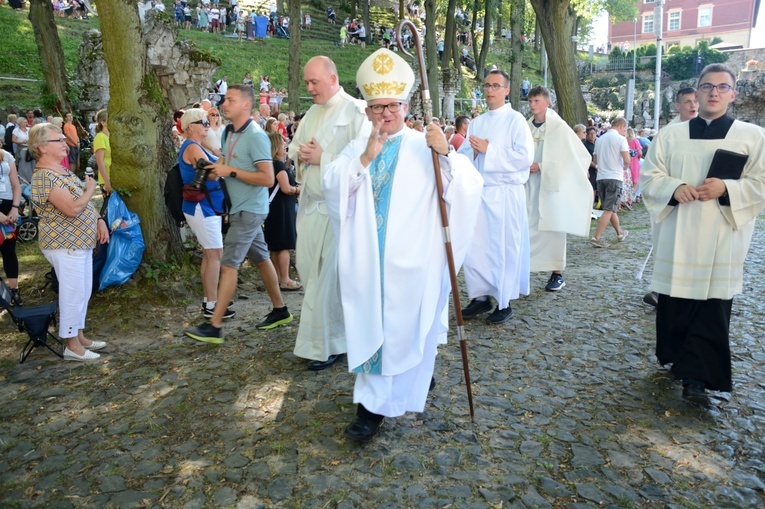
[203, 170]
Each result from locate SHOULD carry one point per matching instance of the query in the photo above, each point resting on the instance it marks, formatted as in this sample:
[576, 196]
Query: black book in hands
[727, 165]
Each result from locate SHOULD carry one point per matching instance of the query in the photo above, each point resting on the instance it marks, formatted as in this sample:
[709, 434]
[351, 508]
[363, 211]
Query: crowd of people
[527, 184]
[355, 179]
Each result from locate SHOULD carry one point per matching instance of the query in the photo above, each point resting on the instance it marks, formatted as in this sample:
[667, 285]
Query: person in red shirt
[460, 130]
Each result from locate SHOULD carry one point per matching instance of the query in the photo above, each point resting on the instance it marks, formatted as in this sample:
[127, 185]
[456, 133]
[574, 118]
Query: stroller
[27, 223]
[281, 33]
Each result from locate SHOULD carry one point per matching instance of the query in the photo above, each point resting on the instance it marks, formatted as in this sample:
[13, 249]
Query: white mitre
[385, 75]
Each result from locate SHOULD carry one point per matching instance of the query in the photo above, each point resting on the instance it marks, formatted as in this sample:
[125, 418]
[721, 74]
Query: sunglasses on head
[204, 122]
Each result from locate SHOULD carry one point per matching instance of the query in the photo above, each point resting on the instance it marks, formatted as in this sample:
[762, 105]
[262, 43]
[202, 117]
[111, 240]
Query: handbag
[7, 232]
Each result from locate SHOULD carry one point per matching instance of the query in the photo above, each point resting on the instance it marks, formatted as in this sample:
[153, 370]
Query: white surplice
[559, 196]
[497, 263]
[333, 124]
[403, 326]
[700, 247]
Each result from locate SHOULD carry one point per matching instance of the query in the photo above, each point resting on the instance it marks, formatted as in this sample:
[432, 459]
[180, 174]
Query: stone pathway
[571, 411]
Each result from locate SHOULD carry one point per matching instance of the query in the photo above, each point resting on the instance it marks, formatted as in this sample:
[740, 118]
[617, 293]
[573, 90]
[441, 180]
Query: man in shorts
[247, 166]
[611, 158]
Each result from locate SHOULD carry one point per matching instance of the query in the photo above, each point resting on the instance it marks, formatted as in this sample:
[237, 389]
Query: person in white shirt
[612, 157]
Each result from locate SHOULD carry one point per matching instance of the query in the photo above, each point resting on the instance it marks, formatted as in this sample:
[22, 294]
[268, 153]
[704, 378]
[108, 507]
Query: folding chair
[35, 321]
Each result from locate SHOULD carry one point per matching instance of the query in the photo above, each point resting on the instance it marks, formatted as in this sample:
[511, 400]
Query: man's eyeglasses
[379, 108]
[59, 140]
[708, 87]
[492, 86]
[203, 122]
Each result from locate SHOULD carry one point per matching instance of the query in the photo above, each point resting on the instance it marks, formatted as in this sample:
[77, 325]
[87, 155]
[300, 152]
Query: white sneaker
[96, 345]
[623, 235]
[87, 356]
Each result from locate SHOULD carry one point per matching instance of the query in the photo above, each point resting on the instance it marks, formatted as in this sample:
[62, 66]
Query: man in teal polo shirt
[247, 166]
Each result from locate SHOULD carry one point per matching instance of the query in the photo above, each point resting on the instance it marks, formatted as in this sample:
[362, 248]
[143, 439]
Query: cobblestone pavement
[571, 411]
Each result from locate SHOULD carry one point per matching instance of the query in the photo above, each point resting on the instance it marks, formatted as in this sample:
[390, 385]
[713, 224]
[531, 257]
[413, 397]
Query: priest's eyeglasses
[708, 87]
[492, 86]
[379, 108]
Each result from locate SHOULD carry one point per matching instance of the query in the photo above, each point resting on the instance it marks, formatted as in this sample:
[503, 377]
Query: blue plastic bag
[126, 244]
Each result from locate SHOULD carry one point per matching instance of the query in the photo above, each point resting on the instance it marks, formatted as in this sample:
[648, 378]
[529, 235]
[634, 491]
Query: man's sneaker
[275, 318]
[623, 235]
[500, 315]
[598, 242]
[229, 313]
[206, 332]
[555, 283]
[476, 307]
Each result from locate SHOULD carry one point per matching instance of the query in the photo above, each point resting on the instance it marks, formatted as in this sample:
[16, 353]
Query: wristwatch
[233, 175]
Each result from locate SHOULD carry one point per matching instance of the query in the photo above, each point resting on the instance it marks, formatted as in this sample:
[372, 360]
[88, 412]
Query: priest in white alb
[330, 124]
[558, 194]
[394, 279]
[499, 144]
[703, 227]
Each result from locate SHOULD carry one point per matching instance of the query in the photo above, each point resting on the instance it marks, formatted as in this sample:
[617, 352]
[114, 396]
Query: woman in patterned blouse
[69, 229]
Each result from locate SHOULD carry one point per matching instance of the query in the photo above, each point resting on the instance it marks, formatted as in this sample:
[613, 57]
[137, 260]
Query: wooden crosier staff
[426, 106]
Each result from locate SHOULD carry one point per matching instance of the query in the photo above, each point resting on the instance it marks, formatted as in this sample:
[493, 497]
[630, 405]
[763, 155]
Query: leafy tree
[685, 63]
[517, 13]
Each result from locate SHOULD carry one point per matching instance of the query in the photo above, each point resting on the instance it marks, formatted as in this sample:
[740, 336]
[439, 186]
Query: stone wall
[184, 72]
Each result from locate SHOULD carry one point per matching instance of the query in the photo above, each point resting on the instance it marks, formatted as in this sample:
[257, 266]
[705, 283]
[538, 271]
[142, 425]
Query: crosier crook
[427, 110]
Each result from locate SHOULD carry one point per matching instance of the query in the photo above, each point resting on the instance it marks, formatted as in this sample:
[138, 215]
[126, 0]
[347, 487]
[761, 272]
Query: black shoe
[500, 315]
[476, 307]
[16, 299]
[651, 298]
[275, 318]
[696, 393]
[319, 365]
[555, 283]
[206, 332]
[432, 383]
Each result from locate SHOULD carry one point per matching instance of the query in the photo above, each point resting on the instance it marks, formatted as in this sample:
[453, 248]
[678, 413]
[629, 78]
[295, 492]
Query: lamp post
[658, 20]
[629, 105]
[634, 50]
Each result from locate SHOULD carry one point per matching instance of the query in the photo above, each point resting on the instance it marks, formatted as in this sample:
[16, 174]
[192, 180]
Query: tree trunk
[365, 19]
[281, 10]
[353, 9]
[450, 36]
[476, 6]
[537, 35]
[401, 8]
[431, 55]
[294, 68]
[481, 62]
[518, 8]
[51, 54]
[498, 33]
[556, 19]
[139, 125]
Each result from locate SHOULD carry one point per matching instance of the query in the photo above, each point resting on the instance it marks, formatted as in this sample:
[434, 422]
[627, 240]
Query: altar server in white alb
[394, 280]
[702, 232]
[558, 194]
[499, 144]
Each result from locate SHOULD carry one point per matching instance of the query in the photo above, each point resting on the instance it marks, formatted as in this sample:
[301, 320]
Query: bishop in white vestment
[394, 278]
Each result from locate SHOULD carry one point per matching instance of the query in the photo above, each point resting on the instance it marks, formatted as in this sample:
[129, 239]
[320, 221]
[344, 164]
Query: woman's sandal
[292, 286]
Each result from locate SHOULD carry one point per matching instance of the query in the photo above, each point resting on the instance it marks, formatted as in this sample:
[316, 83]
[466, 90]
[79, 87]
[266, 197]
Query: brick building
[686, 22]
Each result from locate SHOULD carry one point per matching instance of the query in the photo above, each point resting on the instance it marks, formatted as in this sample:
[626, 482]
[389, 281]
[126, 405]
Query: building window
[705, 16]
[674, 20]
[647, 23]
